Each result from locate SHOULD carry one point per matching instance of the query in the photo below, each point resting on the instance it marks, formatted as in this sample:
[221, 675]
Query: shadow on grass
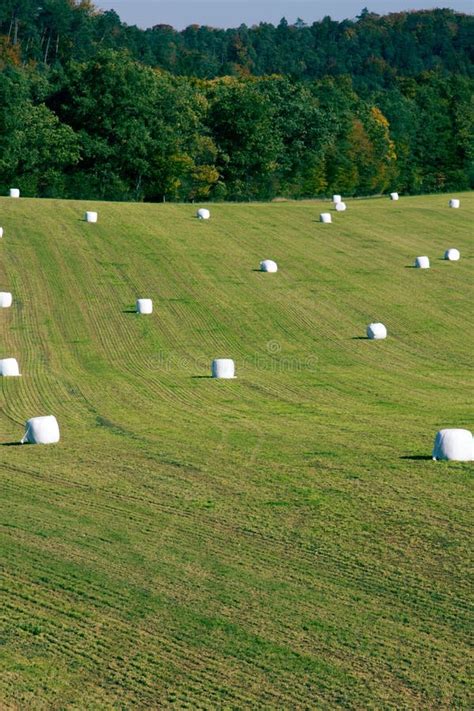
[129, 311]
[11, 444]
[410, 266]
[258, 270]
[201, 377]
[359, 338]
[417, 457]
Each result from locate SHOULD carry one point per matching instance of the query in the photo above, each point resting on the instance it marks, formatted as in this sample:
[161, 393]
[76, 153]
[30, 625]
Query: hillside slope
[278, 541]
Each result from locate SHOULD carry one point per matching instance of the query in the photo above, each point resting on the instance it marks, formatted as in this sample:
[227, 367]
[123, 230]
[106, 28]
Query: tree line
[92, 108]
[373, 49]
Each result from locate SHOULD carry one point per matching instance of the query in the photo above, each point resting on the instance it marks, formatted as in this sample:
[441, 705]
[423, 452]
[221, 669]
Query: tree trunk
[15, 36]
[46, 51]
[138, 186]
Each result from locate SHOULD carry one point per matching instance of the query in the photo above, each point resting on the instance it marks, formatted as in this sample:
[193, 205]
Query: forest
[92, 108]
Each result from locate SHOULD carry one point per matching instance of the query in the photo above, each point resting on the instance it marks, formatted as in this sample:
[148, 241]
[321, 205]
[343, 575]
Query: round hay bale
[454, 203]
[325, 217]
[394, 196]
[91, 216]
[1, 232]
[268, 265]
[5, 299]
[341, 207]
[9, 367]
[453, 255]
[376, 331]
[144, 306]
[453, 445]
[14, 193]
[336, 199]
[422, 263]
[41, 430]
[223, 368]
[203, 214]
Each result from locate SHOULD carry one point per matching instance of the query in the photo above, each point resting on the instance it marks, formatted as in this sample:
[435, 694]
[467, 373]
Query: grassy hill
[282, 540]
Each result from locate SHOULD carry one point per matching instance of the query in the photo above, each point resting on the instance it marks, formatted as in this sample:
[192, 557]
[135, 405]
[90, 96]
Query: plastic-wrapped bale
[144, 306]
[341, 206]
[394, 196]
[41, 430]
[223, 368]
[9, 367]
[453, 444]
[453, 255]
[376, 331]
[91, 216]
[268, 265]
[454, 202]
[422, 263]
[5, 299]
[325, 217]
[336, 199]
[14, 193]
[1, 232]
[203, 214]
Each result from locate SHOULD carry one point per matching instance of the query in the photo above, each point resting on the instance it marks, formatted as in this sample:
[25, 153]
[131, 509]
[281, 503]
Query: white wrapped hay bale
[376, 331]
[341, 207]
[41, 430]
[144, 306]
[91, 216]
[336, 199]
[9, 367]
[453, 255]
[422, 263]
[325, 217]
[453, 444]
[454, 203]
[1, 232]
[268, 265]
[223, 368]
[14, 193]
[203, 214]
[394, 196]
[5, 299]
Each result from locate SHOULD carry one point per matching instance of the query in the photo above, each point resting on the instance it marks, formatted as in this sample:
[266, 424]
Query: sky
[232, 13]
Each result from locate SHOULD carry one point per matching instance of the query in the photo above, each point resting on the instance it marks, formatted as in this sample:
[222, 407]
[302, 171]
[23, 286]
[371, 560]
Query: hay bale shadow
[417, 457]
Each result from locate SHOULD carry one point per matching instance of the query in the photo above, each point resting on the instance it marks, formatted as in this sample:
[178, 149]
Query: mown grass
[278, 541]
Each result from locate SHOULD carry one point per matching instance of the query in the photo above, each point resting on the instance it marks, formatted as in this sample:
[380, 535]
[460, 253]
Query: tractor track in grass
[361, 575]
[198, 664]
[163, 645]
[83, 635]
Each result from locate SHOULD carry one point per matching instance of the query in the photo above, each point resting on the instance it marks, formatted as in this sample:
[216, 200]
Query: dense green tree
[305, 131]
[139, 130]
[36, 149]
[243, 131]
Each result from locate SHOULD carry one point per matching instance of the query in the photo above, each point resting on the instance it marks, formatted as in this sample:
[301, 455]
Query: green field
[279, 541]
